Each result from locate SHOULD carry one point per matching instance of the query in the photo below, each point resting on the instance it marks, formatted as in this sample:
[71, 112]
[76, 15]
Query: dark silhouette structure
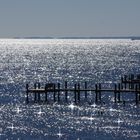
[129, 84]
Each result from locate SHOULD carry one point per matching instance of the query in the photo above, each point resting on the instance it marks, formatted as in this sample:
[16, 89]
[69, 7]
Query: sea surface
[76, 61]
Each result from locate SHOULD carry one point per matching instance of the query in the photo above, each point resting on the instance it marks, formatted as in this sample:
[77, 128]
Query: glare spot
[12, 127]
[72, 106]
[39, 113]
[93, 105]
[59, 134]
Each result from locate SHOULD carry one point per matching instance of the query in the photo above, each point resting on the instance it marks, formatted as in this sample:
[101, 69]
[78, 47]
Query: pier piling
[35, 97]
[58, 92]
[75, 100]
[46, 93]
[66, 92]
[119, 88]
[39, 93]
[27, 89]
[96, 93]
[100, 92]
[54, 94]
[127, 85]
[78, 92]
[115, 93]
[136, 94]
[85, 90]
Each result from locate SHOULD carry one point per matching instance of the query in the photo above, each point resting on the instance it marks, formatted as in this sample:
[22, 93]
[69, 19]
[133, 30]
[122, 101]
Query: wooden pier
[128, 84]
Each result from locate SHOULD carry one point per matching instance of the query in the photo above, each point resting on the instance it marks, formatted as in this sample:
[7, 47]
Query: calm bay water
[95, 61]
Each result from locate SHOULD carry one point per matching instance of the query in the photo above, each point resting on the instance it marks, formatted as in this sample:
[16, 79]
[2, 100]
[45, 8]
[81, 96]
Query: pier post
[139, 93]
[85, 90]
[100, 92]
[119, 86]
[122, 79]
[46, 93]
[115, 93]
[78, 92]
[38, 93]
[129, 78]
[66, 92]
[75, 93]
[138, 77]
[27, 91]
[58, 92]
[54, 93]
[96, 93]
[132, 84]
[136, 93]
[35, 98]
[125, 79]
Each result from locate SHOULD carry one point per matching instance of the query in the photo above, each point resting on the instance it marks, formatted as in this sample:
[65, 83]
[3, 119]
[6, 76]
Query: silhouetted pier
[128, 84]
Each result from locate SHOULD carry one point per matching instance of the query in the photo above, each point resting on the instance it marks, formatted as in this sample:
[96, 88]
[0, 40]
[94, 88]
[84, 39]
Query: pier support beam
[75, 91]
[96, 93]
[136, 94]
[38, 93]
[46, 93]
[35, 97]
[85, 91]
[100, 92]
[54, 93]
[125, 79]
[58, 92]
[115, 94]
[78, 92]
[27, 89]
[139, 93]
[119, 96]
[66, 92]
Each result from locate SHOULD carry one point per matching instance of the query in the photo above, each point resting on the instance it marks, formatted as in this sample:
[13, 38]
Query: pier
[128, 84]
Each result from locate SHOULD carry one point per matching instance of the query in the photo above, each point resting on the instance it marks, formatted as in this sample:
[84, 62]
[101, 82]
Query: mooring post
[46, 93]
[136, 93]
[27, 91]
[54, 93]
[85, 90]
[35, 97]
[96, 93]
[66, 92]
[58, 92]
[100, 92]
[119, 90]
[38, 93]
[75, 90]
[78, 92]
[115, 93]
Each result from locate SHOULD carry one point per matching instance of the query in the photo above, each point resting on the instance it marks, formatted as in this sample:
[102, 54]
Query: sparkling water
[76, 61]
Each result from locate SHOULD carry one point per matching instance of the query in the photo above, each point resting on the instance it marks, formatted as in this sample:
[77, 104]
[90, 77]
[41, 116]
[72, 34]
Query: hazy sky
[69, 18]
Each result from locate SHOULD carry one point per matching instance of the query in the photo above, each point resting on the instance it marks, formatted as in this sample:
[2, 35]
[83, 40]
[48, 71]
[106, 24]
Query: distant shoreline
[132, 38]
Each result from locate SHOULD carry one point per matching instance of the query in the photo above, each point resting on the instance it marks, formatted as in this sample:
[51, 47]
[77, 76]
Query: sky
[69, 18]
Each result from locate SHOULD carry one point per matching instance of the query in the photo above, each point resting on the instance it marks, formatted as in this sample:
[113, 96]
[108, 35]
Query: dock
[128, 84]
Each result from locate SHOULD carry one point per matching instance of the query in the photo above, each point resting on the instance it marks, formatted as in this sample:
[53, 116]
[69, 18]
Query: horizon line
[73, 37]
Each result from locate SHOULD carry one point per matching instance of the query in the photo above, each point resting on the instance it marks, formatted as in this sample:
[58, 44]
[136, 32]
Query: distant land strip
[132, 38]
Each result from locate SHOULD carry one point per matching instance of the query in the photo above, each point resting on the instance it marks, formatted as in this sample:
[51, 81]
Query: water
[94, 61]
